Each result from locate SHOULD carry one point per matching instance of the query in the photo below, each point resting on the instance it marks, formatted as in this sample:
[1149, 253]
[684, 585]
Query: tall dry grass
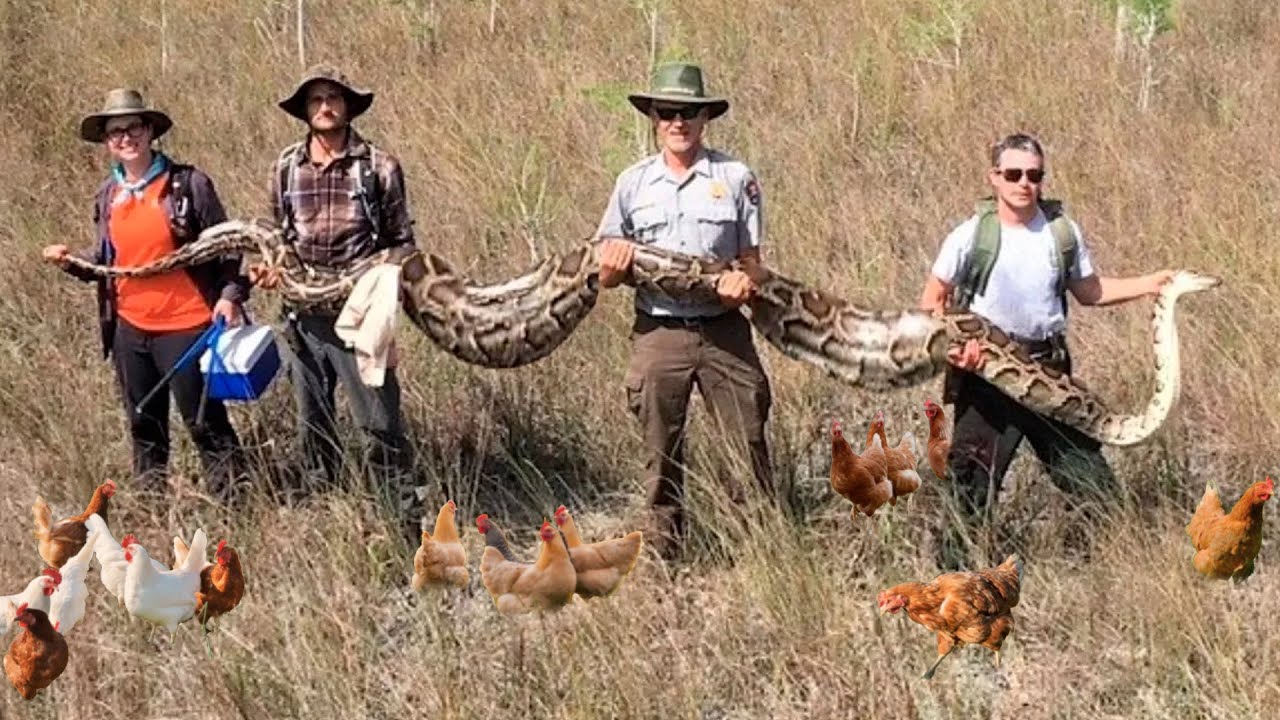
[867, 124]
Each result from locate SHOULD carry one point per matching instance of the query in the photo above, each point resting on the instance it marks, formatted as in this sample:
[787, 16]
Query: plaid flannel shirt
[329, 222]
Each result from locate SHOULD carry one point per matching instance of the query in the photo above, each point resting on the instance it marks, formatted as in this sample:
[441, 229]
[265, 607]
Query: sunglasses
[1013, 175]
[133, 130]
[687, 112]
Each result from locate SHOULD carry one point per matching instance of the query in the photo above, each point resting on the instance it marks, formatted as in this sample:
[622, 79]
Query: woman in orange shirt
[147, 207]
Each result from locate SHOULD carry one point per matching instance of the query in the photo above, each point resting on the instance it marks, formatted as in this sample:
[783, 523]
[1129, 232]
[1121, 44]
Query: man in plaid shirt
[339, 198]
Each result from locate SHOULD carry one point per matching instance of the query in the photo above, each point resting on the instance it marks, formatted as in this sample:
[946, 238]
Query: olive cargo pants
[669, 357]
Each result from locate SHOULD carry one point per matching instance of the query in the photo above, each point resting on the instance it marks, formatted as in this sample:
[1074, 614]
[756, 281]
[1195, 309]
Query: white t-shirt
[1021, 296]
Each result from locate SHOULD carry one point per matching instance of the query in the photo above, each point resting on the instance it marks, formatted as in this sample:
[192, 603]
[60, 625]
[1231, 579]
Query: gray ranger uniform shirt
[715, 211]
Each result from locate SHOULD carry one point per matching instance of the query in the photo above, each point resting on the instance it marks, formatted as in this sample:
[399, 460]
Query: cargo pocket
[649, 223]
[718, 229]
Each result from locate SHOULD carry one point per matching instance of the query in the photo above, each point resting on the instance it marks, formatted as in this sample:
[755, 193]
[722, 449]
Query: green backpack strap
[982, 256]
[976, 273]
[1065, 260]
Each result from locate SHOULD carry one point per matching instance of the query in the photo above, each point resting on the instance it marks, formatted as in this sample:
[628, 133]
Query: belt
[1053, 346]
[671, 321]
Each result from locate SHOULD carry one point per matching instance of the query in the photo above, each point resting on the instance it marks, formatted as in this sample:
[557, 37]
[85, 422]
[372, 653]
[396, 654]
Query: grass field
[868, 124]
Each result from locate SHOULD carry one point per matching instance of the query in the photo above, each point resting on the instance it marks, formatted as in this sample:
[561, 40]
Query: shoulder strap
[1067, 256]
[369, 190]
[286, 166]
[982, 256]
[178, 198]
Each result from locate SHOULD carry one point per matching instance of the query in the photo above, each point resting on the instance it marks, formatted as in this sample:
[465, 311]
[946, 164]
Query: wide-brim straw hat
[121, 102]
[358, 99]
[679, 83]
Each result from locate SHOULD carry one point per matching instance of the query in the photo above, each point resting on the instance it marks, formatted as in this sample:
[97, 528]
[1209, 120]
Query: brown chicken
[221, 584]
[1228, 543]
[861, 479]
[972, 608]
[517, 587]
[939, 439]
[60, 542]
[441, 560]
[900, 461]
[600, 566]
[36, 657]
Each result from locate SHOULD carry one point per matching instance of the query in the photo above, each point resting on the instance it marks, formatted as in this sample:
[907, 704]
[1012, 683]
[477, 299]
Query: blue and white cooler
[240, 363]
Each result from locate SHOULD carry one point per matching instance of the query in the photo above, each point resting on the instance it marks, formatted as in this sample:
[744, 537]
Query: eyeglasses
[688, 112]
[1013, 175]
[133, 130]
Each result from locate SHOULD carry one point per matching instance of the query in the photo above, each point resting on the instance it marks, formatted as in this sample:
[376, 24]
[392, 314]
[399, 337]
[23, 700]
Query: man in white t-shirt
[1013, 263]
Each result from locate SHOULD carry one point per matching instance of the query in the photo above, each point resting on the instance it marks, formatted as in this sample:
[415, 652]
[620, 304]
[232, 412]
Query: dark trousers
[320, 361]
[668, 359]
[989, 427]
[141, 358]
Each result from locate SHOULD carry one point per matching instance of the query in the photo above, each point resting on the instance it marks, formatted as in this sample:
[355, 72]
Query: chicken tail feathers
[909, 441]
[1014, 562]
[1209, 510]
[43, 517]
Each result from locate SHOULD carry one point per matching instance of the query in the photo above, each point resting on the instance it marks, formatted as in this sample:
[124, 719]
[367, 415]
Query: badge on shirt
[718, 190]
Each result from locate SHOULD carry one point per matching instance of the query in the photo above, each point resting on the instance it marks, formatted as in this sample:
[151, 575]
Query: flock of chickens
[54, 601]
[972, 608]
[975, 608]
[564, 565]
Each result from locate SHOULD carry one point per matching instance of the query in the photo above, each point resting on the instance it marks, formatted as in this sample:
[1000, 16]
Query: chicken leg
[945, 645]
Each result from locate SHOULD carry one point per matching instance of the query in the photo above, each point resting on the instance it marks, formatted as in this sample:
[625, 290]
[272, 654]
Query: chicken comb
[562, 510]
[21, 609]
[880, 415]
[222, 544]
[53, 572]
[110, 486]
[835, 426]
[452, 505]
[128, 540]
[1271, 484]
[481, 521]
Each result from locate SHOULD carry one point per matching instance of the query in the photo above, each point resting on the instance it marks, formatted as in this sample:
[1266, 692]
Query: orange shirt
[139, 230]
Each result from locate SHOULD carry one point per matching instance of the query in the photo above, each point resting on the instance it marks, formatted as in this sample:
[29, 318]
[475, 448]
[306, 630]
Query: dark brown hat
[358, 100]
[121, 102]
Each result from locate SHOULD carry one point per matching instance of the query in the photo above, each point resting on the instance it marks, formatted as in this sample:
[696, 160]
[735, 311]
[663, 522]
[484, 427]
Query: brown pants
[668, 358]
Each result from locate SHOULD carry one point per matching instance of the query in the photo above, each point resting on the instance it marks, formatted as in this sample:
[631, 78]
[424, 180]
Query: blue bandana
[159, 164]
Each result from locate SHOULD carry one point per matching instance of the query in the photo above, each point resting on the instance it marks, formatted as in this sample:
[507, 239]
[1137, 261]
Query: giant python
[523, 320]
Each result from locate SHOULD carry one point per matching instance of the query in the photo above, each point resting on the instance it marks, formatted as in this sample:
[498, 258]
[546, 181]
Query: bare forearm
[1115, 290]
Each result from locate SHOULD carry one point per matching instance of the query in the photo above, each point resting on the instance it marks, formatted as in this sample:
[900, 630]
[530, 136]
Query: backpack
[986, 247]
[366, 187]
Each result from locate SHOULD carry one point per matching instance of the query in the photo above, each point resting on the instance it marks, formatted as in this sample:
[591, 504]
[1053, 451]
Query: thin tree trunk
[302, 54]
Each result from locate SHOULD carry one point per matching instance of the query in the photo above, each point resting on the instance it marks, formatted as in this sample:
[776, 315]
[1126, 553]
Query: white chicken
[66, 605]
[161, 597]
[111, 557]
[35, 596]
